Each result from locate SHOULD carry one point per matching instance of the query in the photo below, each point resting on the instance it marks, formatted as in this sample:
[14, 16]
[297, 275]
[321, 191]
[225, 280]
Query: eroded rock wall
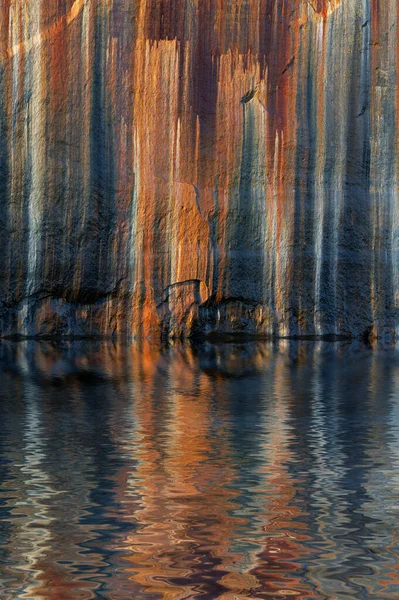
[180, 166]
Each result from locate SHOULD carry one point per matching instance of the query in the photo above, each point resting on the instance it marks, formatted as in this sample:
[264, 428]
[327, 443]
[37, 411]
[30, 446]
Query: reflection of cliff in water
[209, 471]
[91, 361]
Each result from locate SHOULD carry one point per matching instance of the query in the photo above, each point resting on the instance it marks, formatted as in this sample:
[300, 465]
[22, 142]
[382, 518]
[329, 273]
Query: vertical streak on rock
[121, 103]
[5, 125]
[79, 116]
[17, 158]
[286, 40]
[336, 153]
[246, 217]
[175, 200]
[36, 142]
[395, 195]
[135, 270]
[284, 91]
[341, 168]
[156, 78]
[330, 160]
[304, 157]
[353, 285]
[329, 104]
[383, 179]
[168, 218]
[320, 213]
[100, 224]
[54, 65]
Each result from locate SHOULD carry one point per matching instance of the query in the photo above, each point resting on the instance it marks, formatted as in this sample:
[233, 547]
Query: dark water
[234, 472]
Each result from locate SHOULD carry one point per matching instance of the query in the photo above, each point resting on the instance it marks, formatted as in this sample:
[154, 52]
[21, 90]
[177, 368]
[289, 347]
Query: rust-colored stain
[172, 166]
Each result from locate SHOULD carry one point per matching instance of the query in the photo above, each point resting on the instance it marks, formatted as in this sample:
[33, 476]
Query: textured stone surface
[179, 166]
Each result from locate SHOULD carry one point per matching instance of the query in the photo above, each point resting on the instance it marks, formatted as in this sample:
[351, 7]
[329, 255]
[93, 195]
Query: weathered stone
[180, 306]
[180, 167]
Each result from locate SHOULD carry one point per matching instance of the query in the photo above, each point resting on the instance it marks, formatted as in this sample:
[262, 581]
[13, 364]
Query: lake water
[228, 471]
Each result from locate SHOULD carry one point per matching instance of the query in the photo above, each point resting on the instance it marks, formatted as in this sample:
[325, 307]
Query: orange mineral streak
[169, 206]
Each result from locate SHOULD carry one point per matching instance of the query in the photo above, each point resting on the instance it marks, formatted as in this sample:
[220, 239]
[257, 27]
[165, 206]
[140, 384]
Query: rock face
[182, 166]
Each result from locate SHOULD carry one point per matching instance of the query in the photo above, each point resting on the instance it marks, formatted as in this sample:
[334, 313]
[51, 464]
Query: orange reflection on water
[190, 521]
[184, 520]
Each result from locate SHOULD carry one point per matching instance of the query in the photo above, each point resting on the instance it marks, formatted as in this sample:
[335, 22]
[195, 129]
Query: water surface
[217, 471]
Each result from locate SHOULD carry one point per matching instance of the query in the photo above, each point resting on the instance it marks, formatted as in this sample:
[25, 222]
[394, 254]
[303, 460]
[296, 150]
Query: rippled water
[218, 471]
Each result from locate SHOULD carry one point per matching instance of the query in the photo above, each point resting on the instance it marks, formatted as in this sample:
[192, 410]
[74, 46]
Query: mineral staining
[199, 166]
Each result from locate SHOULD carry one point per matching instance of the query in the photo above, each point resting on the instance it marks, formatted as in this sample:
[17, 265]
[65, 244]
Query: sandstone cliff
[185, 166]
